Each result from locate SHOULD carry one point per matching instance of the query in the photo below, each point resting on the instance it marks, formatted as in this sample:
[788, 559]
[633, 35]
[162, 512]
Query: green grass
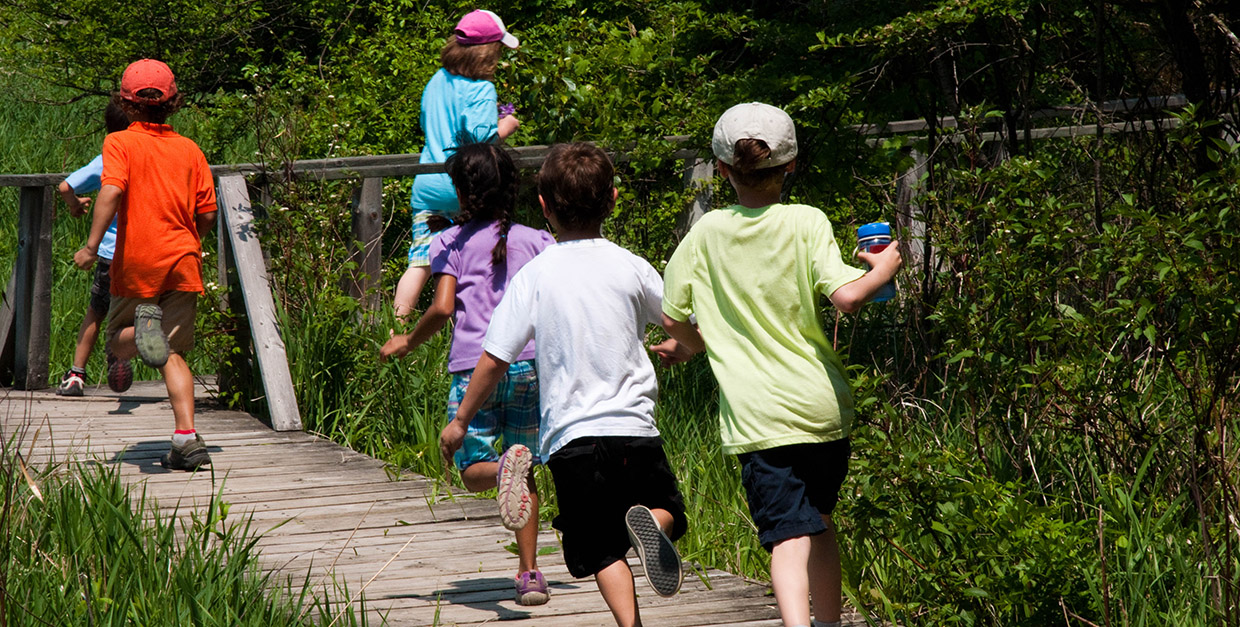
[77, 547]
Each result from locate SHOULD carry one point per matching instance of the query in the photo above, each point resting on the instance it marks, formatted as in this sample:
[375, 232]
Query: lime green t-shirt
[753, 277]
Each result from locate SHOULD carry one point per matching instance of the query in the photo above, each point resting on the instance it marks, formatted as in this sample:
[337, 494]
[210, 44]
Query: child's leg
[180, 383]
[824, 574]
[88, 333]
[615, 583]
[790, 579]
[481, 476]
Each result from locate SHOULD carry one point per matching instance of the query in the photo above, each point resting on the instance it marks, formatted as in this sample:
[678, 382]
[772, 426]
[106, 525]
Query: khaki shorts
[180, 309]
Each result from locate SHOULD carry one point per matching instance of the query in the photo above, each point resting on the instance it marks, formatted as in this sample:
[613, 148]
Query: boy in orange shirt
[159, 187]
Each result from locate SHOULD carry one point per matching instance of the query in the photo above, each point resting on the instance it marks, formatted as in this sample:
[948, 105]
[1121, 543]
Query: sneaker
[514, 490]
[148, 334]
[532, 588]
[190, 456]
[120, 374]
[655, 551]
[72, 384]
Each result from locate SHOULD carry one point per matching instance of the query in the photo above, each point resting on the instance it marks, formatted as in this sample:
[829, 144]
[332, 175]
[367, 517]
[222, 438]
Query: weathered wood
[8, 330]
[699, 176]
[365, 250]
[33, 290]
[234, 203]
[909, 212]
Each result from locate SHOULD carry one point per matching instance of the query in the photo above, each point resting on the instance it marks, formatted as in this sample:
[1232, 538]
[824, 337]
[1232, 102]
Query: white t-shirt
[587, 304]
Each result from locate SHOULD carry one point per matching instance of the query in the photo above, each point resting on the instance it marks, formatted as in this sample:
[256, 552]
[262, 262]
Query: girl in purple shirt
[473, 263]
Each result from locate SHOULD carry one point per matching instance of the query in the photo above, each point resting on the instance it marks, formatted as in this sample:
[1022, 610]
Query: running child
[588, 302]
[458, 107]
[158, 186]
[84, 181]
[473, 263]
[752, 274]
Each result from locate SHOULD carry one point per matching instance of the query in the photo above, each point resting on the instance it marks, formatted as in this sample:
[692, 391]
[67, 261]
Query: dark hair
[155, 113]
[576, 183]
[486, 184]
[747, 154]
[476, 61]
[114, 118]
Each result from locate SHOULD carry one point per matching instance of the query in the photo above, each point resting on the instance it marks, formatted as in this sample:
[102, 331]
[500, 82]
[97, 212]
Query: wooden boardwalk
[422, 555]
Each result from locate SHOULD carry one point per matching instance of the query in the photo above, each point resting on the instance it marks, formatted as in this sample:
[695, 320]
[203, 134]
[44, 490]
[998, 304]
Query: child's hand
[85, 258]
[671, 352]
[888, 259]
[78, 209]
[396, 346]
[450, 439]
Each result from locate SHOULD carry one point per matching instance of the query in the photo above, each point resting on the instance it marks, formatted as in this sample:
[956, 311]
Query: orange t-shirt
[166, 182]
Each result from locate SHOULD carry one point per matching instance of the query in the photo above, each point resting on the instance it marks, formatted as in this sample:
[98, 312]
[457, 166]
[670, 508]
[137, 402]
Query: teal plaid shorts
[510, 415]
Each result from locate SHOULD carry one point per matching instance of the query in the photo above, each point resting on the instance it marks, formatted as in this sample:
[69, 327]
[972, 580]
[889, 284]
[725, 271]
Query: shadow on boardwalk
[419, 553]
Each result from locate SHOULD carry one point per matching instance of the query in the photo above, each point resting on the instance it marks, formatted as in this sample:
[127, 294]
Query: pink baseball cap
[483, 27]
[148, 74]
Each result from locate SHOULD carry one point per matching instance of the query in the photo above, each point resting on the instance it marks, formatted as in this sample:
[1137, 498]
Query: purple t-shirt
[464, 252]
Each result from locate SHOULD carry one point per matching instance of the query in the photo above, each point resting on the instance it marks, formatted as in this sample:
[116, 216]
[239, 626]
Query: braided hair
[486, 184]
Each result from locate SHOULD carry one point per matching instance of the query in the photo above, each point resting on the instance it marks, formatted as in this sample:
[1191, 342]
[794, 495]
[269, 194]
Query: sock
[819, 623]
[181, 438]
[78, 371]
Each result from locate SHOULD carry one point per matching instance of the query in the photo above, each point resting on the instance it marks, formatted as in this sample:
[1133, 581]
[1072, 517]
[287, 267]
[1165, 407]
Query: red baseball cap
[148, 74]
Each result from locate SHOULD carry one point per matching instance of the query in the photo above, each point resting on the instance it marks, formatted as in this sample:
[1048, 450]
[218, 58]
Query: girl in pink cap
[458, 106]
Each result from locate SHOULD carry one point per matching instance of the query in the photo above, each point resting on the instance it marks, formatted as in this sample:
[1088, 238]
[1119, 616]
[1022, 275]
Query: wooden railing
[25, 313]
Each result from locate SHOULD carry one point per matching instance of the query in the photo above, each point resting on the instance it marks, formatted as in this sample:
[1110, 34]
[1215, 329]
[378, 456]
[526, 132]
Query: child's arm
[686, 342]
[482, 383]
[204, 222]
[507, 125]
[105, 209]
[77, 204]
[849, 297]
[429, 324]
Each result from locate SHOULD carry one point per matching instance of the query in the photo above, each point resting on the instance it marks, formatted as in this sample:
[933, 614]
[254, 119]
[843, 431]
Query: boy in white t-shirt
[587, 303]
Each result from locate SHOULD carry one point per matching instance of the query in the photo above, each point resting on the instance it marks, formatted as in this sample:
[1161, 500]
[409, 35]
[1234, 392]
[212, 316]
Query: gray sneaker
[148, 334]
[190, 456]
[655, 551]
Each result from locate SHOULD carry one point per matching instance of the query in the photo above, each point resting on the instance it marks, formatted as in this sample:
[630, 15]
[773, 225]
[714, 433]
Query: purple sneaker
[514, 491]
[532, 588]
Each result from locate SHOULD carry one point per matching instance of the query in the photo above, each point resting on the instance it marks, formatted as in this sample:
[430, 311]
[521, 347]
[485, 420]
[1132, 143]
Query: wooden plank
[699, 176]
[281, 399]
[8, 330]
[33, 289]
[365, 250]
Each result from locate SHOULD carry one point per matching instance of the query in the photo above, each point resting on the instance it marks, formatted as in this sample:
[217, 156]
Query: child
[86, 180]
[473, 263]
[159, 187]
[458, 107]
[752, 273]
[587, 302]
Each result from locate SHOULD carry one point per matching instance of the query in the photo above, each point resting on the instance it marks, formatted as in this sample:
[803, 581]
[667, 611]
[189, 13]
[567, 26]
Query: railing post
[699, 175]
[234, 202]
[365, 248]
[32, 298]
[909, 212]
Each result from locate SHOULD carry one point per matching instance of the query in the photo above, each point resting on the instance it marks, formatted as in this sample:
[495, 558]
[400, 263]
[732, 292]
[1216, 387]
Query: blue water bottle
[872, 238]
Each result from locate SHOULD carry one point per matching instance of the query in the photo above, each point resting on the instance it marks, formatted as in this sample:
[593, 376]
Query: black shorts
[101, 288]
[597, 480]
[790, 488]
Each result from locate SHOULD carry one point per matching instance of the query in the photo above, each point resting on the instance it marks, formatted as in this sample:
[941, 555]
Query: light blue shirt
[455, 110]
[84, 181]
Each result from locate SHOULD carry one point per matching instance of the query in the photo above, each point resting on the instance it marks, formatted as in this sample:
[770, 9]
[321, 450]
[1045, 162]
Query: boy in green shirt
[752, 274]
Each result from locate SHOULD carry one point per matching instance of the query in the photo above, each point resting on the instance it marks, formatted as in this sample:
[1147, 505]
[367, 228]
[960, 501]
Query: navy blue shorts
[790, 488]
[597, 480]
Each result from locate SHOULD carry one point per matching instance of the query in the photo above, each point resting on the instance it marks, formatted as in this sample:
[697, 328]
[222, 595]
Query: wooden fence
[25, 313]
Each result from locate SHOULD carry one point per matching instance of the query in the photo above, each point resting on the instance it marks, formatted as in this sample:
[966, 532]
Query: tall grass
[78, 548]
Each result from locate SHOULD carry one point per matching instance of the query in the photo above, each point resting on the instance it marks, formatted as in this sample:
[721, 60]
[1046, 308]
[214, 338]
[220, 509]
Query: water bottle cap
[872, 229]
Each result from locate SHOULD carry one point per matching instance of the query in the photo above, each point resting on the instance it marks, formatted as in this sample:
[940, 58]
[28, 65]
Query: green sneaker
[148, 334]
[191, 456]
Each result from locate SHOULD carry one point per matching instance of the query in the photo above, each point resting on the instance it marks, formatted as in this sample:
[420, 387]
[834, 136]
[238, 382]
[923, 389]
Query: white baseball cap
[755, 120]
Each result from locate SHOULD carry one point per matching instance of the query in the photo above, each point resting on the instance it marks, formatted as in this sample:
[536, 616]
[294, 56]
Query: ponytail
[748, 153]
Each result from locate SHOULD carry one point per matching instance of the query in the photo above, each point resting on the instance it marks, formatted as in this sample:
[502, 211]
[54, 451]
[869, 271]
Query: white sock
[181, 439]
[819, 623]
